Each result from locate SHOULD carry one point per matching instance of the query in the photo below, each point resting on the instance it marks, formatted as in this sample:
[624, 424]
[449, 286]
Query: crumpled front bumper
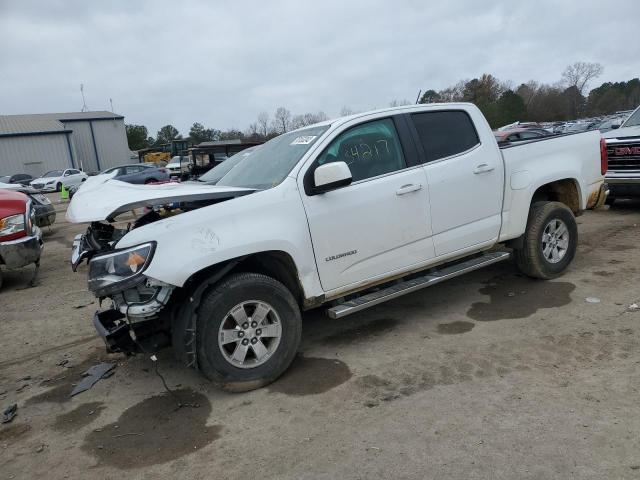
[22, 251]
[112, 327]
[118, 334]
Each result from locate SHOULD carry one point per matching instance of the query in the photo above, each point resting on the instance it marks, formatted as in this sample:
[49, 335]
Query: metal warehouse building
[35, 144]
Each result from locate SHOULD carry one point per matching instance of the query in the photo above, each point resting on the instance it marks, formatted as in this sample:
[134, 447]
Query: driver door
[380, 222]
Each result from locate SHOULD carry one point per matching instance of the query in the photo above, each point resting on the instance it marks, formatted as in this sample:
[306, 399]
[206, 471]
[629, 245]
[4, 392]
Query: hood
[44, 179]
[103, 198]
[623, 132]
[10, 186]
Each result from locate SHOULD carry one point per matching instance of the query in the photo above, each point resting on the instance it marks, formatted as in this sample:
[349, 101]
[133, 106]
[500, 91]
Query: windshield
[267, 166]
[633, 120]
[53, 173]
[216, 173]
[5, 179]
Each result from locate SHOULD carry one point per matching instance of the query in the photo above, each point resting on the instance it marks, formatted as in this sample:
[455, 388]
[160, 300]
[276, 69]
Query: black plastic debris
[9, 413]
[93, 376]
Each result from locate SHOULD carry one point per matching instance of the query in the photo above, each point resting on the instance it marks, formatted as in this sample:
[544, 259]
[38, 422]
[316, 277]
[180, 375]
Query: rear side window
[445, 133]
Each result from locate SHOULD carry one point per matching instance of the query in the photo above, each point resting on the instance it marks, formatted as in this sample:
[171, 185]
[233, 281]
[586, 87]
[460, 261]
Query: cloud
[221, 63]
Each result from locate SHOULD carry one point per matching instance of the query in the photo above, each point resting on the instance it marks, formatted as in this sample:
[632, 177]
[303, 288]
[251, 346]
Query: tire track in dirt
[557, 353]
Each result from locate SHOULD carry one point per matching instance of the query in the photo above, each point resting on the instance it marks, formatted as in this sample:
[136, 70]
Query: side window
[370, 149]
[73, 172]
[130, 170]
[529, 135]
[445, 133]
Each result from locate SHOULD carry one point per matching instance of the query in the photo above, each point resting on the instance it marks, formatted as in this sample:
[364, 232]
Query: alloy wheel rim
[249, 334]
[555, 241]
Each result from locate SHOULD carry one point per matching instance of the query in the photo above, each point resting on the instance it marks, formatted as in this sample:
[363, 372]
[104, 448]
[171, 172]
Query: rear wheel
[248, 333]
[550, 241]
[610, 201]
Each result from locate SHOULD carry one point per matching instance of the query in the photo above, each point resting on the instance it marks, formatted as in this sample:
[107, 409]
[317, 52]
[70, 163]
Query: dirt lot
[491, 375]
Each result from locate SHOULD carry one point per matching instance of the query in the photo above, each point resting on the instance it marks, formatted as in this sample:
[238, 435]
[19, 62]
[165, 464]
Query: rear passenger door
[465, 178]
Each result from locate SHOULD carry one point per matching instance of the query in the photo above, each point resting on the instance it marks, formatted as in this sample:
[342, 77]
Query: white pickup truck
[343, 215]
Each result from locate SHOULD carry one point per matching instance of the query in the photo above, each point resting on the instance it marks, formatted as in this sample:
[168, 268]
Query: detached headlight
[12, 225]
[120, 269]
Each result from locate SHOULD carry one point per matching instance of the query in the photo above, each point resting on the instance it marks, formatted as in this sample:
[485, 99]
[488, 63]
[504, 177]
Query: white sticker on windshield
[304, 140]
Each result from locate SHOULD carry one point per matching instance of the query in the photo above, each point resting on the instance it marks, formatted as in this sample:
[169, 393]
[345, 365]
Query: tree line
[567, 99]
[500, 101]
[264, 128]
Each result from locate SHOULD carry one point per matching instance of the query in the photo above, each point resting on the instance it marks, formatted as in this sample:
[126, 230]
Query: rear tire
[610, 201]
[222, 339]
[550, 241]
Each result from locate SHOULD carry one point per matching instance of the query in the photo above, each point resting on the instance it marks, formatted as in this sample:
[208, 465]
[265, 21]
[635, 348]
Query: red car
[20, 239]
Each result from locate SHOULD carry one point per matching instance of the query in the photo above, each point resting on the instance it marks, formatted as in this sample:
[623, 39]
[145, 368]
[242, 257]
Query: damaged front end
[139, 313]
[135, 317]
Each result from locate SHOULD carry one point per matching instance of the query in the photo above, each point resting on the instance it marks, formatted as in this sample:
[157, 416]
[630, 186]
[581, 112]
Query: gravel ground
[491, 375]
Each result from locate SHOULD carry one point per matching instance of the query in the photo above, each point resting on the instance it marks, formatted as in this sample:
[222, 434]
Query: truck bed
[529, 164]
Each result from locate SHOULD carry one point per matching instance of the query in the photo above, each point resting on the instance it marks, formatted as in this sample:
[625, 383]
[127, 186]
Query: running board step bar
[408, 286]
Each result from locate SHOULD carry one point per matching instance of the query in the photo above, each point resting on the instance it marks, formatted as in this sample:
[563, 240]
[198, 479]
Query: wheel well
[275, 264]
[565, 191]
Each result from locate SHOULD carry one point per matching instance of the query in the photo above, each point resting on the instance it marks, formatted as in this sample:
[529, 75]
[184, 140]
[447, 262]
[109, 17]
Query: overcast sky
[223, 62]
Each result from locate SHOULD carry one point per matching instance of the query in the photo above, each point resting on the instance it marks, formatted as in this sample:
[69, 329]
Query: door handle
[408, 188]
[483, 168]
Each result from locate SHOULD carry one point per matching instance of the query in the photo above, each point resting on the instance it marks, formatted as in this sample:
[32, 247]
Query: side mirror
[614, 126]
[331, 176]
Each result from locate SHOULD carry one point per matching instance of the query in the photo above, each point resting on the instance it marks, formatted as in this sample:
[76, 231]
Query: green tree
[136, 136]
[166, 134]
[574, 102]
[612, 97]
[510, 108]
[231, 134]
[198, 134]
[430, 96]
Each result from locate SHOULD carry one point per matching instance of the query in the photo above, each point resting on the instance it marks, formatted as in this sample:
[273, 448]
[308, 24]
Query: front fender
[266, 220]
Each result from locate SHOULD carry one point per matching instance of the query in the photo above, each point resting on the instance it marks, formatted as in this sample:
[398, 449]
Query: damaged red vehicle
[20, 239]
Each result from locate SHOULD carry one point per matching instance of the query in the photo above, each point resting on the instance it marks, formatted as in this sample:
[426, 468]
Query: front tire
[59, 187]
[550, 241]
[248, 332]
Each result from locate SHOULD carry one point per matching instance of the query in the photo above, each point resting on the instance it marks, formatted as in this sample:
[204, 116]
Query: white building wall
[83, 144]
[110, 140]
[34, 154]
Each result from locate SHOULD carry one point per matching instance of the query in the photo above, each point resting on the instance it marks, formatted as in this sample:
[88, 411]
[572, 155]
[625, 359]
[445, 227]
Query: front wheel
[550, 241]
[248, 332]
